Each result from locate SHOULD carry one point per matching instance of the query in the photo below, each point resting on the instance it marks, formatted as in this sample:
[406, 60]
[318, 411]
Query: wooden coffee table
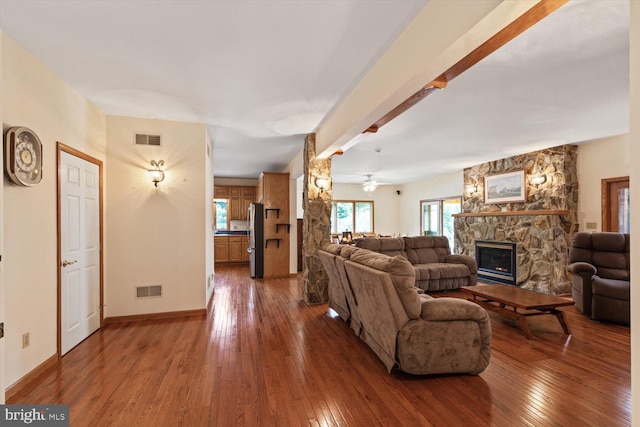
[507, 299]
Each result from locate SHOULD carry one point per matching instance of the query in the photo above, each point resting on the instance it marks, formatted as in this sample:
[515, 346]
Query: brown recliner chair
[601, 275]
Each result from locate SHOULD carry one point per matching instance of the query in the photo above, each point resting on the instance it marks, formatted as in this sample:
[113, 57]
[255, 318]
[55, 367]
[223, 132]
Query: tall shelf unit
[273, 193]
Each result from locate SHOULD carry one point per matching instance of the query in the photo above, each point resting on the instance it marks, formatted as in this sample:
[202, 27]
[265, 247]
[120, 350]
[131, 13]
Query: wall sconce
[322, 182]
[538, 180]
[156, 174]
[471, 189]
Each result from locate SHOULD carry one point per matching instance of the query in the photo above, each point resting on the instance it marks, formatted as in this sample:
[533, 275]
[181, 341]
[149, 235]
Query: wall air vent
[143, 139]
[152, 291]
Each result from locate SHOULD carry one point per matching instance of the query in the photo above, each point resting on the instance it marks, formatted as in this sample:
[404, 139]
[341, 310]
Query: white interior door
[80, 249]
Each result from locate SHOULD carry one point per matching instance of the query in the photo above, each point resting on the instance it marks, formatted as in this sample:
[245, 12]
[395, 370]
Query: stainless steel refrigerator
[256, 239]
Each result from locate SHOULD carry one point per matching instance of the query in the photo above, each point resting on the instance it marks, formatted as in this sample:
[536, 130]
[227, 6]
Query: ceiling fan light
[369, 186]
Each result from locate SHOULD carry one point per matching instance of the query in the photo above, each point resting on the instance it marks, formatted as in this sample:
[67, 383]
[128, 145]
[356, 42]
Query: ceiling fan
[370, 185]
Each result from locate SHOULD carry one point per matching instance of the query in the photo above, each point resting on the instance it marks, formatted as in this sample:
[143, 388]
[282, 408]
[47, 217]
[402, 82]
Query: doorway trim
[606, 202]
[69, 150]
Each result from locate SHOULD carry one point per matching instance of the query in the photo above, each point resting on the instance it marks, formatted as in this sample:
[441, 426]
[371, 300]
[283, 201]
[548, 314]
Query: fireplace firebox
[496, 261]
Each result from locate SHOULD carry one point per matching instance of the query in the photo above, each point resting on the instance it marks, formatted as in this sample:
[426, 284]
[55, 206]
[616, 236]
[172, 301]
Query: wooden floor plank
[261, 357]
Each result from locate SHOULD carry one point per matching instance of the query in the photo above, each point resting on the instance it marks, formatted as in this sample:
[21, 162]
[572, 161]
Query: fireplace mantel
[513, 213]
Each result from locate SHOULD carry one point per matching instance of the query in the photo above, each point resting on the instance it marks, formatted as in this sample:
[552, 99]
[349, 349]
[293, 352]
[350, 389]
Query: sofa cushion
[438, 271]
[392, 246]
[463, 259]
[443, 309]
[609, 242]
[347, 250]
[402, 276]
[426, 249]
[332, 248]
[614, 289]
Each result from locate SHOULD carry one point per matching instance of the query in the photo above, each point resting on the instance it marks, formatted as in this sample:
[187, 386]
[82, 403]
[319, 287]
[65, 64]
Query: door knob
[65, 262]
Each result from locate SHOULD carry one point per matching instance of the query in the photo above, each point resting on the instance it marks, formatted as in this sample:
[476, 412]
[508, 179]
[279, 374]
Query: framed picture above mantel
[506, 187]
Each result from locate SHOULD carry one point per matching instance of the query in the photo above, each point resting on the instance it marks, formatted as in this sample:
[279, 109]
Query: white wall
[156, 236]
[296, 187]
[209, 224]
[298, 196]
[293, 231]
[439, 187]
[599, 159]
[634, 135]
[2, 318]
[33, 96]
[386, 205]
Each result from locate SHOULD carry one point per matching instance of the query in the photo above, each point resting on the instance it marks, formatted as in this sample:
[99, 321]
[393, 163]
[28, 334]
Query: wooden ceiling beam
[508, 33]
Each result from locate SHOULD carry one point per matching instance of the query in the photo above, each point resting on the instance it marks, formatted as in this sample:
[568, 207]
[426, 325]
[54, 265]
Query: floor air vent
[142, 139]
[149, 291]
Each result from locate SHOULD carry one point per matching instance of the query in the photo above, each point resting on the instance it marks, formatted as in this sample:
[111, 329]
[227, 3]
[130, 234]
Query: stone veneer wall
[543, 240]
[316, 225]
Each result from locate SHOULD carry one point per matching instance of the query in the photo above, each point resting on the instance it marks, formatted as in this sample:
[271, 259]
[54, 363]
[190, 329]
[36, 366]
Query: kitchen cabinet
[248, 197]
[228, 249]
[246, 201]
[221, 249]
[245, 251]
[220, 192]
[235, 248]
[240, 197]
[235, 208]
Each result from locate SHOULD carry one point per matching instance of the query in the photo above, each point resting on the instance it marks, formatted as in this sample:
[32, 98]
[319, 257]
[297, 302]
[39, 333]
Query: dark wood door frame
[607, 217]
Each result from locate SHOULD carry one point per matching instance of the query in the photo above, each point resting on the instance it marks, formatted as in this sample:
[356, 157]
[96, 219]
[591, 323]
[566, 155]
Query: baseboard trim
[154, 316]
[30, 377]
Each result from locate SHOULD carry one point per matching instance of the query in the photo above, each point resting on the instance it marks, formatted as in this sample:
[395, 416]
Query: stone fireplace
[540, 228]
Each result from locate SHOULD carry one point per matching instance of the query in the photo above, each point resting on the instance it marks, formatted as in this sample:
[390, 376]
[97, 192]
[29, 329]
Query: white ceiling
[565, 80]
[261, 74]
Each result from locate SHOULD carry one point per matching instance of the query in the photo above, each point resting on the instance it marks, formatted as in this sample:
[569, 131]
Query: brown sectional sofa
[409, 330]
[436, 268]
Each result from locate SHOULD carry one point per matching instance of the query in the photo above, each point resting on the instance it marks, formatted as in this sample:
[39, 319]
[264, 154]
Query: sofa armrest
[582, 269]
[446, 309]
[463, 259]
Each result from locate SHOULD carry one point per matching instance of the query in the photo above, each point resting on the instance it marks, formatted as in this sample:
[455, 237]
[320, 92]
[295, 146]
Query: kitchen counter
[231, 233]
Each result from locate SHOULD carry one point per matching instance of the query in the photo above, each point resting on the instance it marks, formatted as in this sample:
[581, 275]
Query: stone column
[317, 223]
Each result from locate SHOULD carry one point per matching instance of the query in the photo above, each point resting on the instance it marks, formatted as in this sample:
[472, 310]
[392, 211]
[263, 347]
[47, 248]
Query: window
[436, 217]
[220, 213]
[355, 216]
[431, 218]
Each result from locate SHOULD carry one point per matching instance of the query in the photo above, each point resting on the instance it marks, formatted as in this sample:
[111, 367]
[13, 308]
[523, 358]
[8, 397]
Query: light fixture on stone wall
[538, 180]
[156, 174]
[322, 182]
[471, 189]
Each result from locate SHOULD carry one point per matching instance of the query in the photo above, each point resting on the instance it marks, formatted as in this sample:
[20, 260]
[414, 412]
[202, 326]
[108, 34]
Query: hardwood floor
[262, 357]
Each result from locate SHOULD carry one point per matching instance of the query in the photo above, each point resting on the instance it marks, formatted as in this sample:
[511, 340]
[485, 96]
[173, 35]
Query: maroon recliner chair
[599, 263]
